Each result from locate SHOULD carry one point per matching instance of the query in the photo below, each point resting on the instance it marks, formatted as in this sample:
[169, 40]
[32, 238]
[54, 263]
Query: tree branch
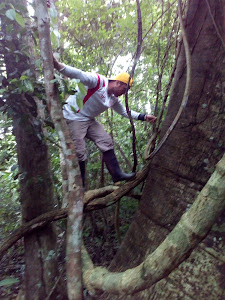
[158, 19]
[54, 215]
[28, 227]
[112, 198]
[75, 191]
[193, 226]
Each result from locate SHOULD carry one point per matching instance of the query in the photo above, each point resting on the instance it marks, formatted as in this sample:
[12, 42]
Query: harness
[90, 92]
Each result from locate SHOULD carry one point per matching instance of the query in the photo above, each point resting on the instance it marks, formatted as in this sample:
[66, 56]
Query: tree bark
[184, 164]
[75, 191]
[36, 189]
[177, 246]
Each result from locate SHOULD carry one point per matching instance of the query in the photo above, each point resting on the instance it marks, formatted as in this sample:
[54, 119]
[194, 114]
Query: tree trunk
[36, 189]
[184, 164]
[36, 198]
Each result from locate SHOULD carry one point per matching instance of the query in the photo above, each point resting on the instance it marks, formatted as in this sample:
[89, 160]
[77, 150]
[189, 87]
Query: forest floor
[12, 266]
[100, 237]
[12, 272]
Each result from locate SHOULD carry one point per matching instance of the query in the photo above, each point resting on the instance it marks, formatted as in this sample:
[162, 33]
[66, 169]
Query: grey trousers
[93, 131]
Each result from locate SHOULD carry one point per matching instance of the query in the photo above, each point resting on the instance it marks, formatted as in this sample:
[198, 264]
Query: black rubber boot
[112, 165]
[82, 171]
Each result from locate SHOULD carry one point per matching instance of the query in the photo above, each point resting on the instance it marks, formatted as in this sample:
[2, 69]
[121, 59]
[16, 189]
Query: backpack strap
[90, 92]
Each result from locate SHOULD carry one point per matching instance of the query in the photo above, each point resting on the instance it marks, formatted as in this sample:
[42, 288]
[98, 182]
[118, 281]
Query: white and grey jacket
[96, 100]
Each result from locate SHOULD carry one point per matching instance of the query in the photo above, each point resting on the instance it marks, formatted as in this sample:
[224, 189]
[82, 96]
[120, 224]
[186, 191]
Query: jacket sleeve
[88, 79]
[121, 109]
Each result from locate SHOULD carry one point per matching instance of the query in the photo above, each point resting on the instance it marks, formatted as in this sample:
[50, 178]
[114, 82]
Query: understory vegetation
[98, 36]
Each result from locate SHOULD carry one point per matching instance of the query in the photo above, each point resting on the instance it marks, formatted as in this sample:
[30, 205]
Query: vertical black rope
[137, 56]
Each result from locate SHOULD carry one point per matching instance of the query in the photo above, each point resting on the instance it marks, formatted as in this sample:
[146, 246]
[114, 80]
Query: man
[102, 93]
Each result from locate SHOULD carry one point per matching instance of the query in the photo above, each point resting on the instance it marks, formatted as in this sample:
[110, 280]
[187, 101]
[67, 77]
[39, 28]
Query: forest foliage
[94, 36]
[98, 36]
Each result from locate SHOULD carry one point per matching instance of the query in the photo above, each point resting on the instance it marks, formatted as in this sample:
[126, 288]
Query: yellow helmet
[123, 77]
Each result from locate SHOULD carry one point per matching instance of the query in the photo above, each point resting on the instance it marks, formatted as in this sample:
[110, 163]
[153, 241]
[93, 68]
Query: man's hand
[150, 118]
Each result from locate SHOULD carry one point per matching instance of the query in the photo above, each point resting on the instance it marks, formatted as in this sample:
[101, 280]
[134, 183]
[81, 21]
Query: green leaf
[54, 80]
[29, 86]
[23, 77]
[95, 154]
[12, 6]
[73, 109]
[79, 101]
[2, 91]
[2, 5]
[72, 91]
[8, 281]
[13, 80]
[11, 14]
[82, 88]
[20, 20]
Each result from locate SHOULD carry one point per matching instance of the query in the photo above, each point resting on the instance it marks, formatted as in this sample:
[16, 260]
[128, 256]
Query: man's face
[120, 88]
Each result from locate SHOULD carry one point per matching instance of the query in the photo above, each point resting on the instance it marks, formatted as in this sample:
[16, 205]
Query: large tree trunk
[36, 198]
[35, 176]
[184, 164]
